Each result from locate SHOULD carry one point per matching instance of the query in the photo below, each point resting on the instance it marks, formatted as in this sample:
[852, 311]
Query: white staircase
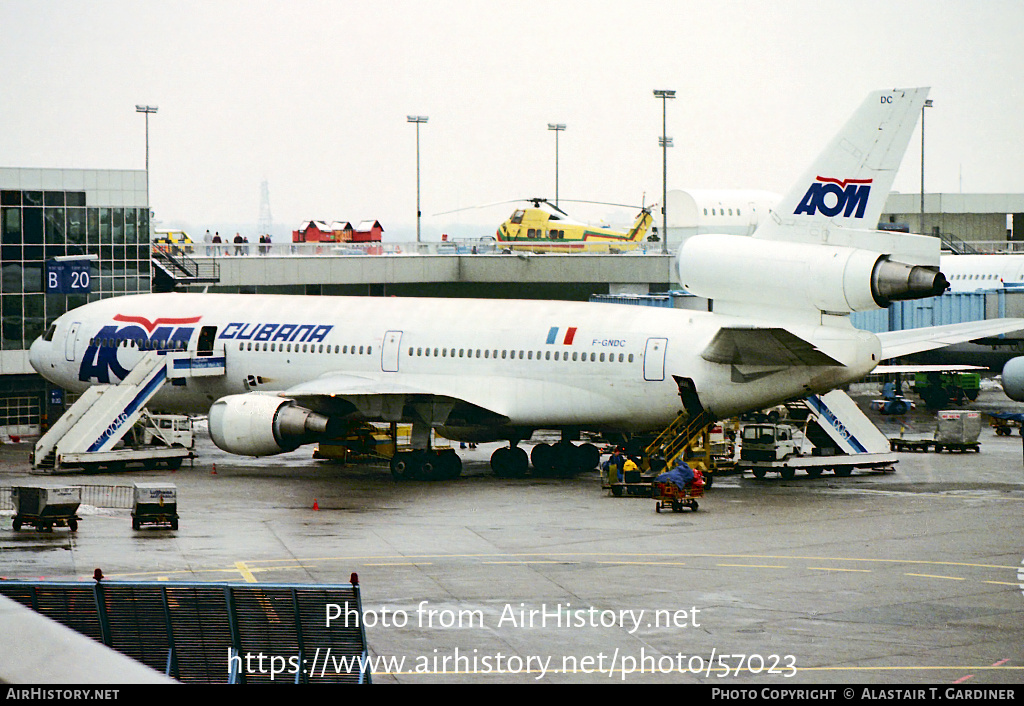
[105, 413]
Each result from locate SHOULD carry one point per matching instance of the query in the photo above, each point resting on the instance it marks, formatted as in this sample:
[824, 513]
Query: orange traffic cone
[316, 505]
[214, 471]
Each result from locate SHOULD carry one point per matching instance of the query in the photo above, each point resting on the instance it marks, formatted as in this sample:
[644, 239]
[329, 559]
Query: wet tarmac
[909, 577]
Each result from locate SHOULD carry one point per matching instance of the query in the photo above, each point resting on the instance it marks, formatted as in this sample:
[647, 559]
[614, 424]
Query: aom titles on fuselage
[299, 369]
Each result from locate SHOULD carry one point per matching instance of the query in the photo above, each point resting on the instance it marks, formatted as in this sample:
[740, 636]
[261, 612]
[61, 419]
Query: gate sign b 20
[68, 277]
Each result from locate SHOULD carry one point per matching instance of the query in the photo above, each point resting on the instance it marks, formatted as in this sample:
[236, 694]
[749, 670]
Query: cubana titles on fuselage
[298, 369]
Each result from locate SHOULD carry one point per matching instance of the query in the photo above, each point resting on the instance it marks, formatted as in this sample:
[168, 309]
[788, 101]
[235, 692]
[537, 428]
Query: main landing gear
[426, 465]
[561, 459]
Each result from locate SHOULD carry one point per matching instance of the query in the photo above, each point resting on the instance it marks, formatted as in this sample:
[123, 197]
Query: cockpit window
[48, 336]
[517, 217]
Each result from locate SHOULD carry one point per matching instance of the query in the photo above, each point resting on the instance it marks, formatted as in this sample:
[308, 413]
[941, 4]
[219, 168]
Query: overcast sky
[312, 96]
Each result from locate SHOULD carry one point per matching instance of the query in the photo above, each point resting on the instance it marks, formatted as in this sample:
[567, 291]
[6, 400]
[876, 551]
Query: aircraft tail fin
[849, 182]
[640, 227]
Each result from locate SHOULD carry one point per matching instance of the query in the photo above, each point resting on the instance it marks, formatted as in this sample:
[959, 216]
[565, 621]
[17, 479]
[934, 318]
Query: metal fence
[215, 633]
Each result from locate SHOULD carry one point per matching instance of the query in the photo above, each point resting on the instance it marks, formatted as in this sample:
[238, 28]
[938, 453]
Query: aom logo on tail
[830, 197]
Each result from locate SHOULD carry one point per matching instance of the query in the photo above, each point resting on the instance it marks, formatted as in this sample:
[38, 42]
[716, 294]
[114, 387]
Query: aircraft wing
[916, 340]
[488, 399]
[881, 369]
[751, 345]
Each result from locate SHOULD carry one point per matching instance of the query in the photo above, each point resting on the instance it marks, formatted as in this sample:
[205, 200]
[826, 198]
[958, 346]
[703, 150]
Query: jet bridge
[89, 433]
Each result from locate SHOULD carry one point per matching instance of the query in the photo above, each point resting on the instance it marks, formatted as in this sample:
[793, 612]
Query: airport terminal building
[54, 216]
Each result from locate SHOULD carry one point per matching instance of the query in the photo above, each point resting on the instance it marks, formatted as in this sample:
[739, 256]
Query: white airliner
[296, 369]
[969, 273]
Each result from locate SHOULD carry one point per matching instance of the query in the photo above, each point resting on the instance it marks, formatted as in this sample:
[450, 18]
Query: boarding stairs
[678, 436]
[104, 414]
[839, 424]
[177, 268]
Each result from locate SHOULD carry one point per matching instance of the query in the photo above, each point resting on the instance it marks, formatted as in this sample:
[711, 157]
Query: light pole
[927, 104]
[557, 127]
[147, 109]
[418, 119]
[665, 143]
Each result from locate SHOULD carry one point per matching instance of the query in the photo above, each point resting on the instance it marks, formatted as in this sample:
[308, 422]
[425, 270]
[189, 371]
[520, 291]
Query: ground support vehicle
[46, 507]
[958, 430]
[901, 444]
[670, 495]
[1003, 423]
[938, 389]
[633, 484]
[155, 504]
[836, 436]
[814, 466]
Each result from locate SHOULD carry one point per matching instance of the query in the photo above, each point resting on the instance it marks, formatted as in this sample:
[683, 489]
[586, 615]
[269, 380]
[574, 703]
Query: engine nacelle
[262, 425]
[796, 275]
[1013, 379]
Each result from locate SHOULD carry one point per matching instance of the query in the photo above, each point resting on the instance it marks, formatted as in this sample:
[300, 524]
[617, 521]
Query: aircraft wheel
[510, 462]
[451, 465]
[589, 456]
[403, 466]
[542, 457]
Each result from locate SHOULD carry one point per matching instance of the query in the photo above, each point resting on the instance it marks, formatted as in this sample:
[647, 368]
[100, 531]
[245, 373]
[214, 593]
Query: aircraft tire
[403, 466]
[589, 456]
[542, 457]
[450, 464]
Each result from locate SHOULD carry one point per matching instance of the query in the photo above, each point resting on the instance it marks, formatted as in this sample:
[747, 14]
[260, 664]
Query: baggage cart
[155, 504]
[46, 507]
[670, 495]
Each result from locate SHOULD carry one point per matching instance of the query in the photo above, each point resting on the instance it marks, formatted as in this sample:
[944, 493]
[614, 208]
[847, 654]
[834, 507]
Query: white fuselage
[539, 364]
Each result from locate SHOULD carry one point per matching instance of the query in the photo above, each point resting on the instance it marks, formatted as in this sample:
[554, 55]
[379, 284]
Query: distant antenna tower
[266, 220]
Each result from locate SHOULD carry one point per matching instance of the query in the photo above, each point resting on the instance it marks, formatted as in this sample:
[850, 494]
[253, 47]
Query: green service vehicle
[940, 389]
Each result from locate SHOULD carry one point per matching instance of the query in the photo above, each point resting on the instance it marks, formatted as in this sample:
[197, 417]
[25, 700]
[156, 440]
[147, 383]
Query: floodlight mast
[557, 128]
[665, 143]
[418, 120]
[147, 110]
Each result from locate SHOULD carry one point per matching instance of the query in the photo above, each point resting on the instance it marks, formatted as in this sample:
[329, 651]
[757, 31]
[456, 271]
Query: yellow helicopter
[547, 228]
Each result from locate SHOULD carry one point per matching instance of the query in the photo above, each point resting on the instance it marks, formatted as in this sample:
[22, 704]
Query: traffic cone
[214, 471]
[316, 505]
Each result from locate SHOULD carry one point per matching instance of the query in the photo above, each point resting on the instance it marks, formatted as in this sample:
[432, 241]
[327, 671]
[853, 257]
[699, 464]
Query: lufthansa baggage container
[155, 504]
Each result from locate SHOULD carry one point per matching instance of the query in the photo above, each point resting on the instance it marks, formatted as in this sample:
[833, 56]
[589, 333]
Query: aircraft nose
[37, 355]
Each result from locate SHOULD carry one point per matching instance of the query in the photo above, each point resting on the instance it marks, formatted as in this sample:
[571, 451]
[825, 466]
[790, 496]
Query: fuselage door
[654, 359]
[207, 335]
[389, 354]
[69, 341]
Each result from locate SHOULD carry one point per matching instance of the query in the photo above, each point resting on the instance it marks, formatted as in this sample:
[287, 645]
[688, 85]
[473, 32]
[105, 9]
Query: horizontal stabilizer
[882, 369]
[916, 340]
[742, 345]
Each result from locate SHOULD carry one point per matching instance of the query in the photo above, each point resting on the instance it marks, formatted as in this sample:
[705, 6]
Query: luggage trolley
[155, 504]
[46, 507]
[671, 495]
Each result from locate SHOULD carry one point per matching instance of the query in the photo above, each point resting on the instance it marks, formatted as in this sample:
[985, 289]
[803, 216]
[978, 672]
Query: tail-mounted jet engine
[263, 425]
[833, 279]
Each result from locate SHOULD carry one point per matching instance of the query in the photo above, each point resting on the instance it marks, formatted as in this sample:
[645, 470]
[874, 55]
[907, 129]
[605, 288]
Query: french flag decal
[570, 333]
